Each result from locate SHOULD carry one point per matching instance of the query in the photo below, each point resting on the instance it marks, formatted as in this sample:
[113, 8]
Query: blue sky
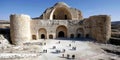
[35, 8]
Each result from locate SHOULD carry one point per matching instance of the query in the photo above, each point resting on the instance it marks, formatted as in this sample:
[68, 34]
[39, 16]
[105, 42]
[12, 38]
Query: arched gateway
[61, 32]
[79, 33]
[42, 33]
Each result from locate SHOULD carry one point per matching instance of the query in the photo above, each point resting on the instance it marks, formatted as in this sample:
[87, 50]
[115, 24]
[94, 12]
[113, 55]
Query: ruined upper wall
[61, 11]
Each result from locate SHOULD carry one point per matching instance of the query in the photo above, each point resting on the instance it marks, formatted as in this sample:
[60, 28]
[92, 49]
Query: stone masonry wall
[51, 26]
[100, 27]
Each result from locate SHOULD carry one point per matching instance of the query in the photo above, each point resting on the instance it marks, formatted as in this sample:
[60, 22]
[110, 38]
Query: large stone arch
[42, 33]
[60, 13]
[79, 32]
[61, 31]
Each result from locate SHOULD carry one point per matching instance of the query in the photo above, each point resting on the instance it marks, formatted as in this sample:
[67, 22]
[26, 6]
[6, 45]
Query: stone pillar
[20, 28]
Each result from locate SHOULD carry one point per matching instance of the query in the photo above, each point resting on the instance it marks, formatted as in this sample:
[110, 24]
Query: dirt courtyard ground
[52, 49]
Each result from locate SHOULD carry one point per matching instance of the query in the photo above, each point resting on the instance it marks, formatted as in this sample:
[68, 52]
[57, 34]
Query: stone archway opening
[87, 36]
[34, 37]
[50, 36]
[61, 13]
[61, 34]
[42, 33]
[71, 35]
[61, 31]
[79, 33]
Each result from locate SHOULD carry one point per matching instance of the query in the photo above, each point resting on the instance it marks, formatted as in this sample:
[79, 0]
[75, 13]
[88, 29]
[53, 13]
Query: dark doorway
[53, 16]
[42, 36]
[50, 36]
[72, 36]
[34, 37]
[65, 16]
[78, 35]
[61, 34]
[87, 35]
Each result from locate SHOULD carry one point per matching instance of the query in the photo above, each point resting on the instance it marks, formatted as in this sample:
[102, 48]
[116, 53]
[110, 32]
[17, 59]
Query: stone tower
[99, 27]
[20, 28]
[101, 30]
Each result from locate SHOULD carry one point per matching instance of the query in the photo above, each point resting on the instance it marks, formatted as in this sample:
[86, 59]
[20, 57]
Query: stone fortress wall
[59, 21]
[98, 27]
[52, 27]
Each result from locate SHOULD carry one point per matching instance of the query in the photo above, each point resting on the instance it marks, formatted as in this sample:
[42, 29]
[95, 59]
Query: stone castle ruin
[59, 21]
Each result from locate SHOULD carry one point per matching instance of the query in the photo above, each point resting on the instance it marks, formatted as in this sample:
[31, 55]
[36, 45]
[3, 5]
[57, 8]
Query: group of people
[68, 56]
[62, 51]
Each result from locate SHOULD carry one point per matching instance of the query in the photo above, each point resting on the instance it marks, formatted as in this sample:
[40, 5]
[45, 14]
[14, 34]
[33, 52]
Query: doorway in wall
[34, 37]
[78, 35]
[61, 31]
[42, 36]
[42, 32]
[87, 35]
[71, 35]
[61, 34]
[50, 36]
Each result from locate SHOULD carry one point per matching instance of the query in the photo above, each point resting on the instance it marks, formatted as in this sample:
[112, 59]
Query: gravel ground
[33, 50]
